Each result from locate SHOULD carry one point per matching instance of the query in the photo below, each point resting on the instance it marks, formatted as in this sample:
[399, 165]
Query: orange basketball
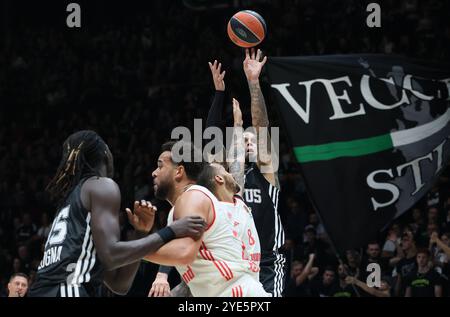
[246, 28]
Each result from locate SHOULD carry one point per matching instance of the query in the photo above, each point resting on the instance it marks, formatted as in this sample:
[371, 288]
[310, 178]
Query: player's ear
[179, 172]
[219, 179]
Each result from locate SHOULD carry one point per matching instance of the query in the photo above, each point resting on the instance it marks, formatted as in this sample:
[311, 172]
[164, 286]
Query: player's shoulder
[195, 194]
[241, 203]
[101, 186]
[200, 191]
[192, 202]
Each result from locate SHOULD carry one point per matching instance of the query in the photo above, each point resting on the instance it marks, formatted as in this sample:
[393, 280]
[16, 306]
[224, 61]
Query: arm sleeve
[165, 269]
[214, 118]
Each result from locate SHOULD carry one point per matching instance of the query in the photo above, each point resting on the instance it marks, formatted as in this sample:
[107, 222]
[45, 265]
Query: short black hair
[206, 177]
[329, 268]
[192, 166]
[20, 275]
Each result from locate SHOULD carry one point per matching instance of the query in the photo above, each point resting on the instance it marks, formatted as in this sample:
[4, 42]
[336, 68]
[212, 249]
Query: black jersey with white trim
[70, 257]
[262, 198]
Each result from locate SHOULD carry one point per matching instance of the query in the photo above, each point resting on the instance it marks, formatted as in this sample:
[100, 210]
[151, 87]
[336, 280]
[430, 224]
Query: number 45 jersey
[70, 259]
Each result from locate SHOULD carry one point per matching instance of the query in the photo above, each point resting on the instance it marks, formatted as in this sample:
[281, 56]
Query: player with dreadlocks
[83, 248]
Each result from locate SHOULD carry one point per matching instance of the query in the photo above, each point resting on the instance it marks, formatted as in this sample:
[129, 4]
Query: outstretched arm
[260, 119]
[214, 118]
[370, 290]
[120, 258]
[236, 155]
[306, 272]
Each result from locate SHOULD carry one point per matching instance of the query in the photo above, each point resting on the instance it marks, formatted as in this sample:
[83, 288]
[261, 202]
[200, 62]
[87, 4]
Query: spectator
[26, 230]
[18, 285]
[301, 275]
[312, 245]
[442, 259]
[326, 286]
[320, 230]
[373, 255]
[344, 289]
[423, 281]
[392, 241]
[405, 262]
[45, 227]
[354, 262]
[418, 223]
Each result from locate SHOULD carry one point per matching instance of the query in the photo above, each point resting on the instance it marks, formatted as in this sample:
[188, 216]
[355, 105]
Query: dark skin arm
[120, 258]
[120, 280]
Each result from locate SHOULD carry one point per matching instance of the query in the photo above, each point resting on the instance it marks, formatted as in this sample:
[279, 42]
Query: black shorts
[62, 290]
[272, 275]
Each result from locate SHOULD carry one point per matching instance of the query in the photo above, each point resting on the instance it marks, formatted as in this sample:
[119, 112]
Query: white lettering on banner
[334, 98]
[302, 109]
[415, 165]
[382, 186]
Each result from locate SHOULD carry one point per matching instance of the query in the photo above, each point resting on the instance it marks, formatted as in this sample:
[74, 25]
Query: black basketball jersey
[70, 257]
[262, 197]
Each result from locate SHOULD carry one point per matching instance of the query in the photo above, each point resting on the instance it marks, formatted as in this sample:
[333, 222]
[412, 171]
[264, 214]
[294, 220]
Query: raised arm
[236, 155]
[214, 118]
[103, 197]
[252, 68]
[434, 238]
[306, 271]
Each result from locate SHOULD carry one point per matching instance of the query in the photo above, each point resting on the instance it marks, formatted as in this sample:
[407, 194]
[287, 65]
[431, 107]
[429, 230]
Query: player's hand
[143, 216]
[237, 113]
[160, 286]
[217, 76]
[253, 65]
[193, 227]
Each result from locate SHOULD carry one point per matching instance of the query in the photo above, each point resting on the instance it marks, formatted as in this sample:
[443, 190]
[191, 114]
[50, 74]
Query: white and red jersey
[244, 225]
[219, 269]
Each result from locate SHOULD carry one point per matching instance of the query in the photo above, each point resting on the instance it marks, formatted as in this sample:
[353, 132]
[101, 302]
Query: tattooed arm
[260, 119]
[236, 155]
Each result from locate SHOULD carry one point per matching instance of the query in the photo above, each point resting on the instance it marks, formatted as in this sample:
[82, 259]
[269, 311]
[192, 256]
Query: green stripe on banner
[334, 150]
